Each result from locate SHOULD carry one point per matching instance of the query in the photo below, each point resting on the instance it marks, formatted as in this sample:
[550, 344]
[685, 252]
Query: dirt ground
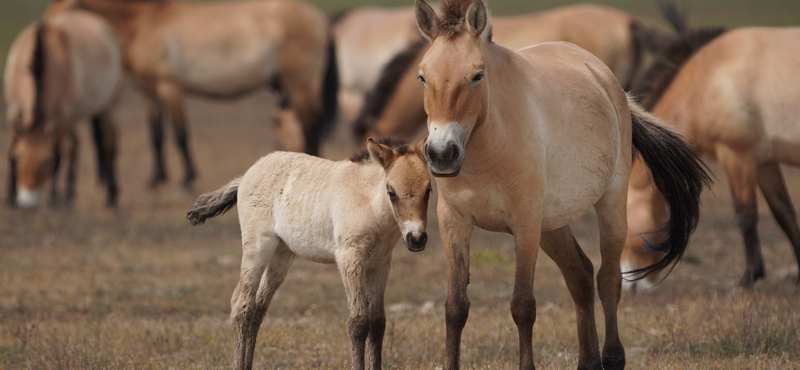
[139, 288]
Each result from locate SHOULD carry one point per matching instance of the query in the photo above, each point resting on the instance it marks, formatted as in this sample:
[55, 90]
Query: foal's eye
[478, 77]
[421, 79]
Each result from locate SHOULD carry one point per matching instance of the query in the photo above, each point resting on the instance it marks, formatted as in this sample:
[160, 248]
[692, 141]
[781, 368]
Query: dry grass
[138, 288]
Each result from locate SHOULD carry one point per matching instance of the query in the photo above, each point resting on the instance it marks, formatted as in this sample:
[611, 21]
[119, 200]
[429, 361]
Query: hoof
[750, 278]
[157, 180]
[614, 359]
[188, 181]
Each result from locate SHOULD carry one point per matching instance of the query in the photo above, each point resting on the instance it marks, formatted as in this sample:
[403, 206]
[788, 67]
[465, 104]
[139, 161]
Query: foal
[349, 213]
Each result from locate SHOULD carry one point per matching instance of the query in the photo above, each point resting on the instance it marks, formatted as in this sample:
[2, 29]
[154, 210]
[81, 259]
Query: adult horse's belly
[221, 61]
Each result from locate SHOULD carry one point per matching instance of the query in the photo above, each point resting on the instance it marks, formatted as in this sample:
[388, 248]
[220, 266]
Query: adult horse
[366, 39]
[394, 106]
[60, 70]
[525, 142]
[735, 96]
[223, 50]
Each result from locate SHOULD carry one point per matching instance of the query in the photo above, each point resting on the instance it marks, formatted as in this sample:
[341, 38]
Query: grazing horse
[366, 39]
[735, 95]
[61, 70]
[350, 213]
[394, 107]
[525, 142]
[224, 50]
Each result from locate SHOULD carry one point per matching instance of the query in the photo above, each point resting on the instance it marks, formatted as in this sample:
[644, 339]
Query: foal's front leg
[456, 231]
[376, 287]
[351, 267]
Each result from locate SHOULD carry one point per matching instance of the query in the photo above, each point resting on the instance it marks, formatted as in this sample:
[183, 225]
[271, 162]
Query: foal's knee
[358, 327]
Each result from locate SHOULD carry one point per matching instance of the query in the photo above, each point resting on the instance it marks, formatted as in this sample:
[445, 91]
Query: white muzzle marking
[27, 198]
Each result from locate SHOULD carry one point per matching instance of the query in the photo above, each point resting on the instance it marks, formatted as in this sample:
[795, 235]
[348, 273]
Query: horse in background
[394, 107]
[350, 213]
[60, 70]
[734, 95]
[366, 39]
[223, 51]
[525, 142]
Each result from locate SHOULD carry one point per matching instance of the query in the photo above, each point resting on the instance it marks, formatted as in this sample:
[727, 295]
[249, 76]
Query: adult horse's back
[525, 142]
[225, 50]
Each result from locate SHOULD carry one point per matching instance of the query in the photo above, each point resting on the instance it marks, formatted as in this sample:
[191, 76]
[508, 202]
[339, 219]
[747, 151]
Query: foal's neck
[373, 186]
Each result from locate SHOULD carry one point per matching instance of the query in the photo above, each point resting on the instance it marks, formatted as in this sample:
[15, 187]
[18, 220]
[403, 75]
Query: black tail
[215, 203]
[680, 176]
[37, 71]
[330, 92]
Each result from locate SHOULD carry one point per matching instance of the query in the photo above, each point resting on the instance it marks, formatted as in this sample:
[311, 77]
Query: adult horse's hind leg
[612, 219]
[741, 172]
[245, 311]
[156, 121]
[578, 273]
[12, 181]
[376, 287]
[170, 95]
[105, 138]
[72, 166]
[770, 180]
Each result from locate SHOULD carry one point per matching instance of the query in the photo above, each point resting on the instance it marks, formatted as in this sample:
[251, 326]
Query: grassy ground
[139, 288]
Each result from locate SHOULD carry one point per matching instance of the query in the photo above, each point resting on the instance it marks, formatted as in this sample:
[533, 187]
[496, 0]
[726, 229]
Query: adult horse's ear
[380, 153]
[426, 19]
[477, 18]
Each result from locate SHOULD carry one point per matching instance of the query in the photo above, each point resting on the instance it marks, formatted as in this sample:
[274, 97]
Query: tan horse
[366, 39]
[60, 71]
[525, 142]
[394, 107]
[735, 96]
[350, 213]
[224, 50]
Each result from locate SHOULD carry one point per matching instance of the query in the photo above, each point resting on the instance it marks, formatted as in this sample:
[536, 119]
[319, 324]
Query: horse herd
[518, 142]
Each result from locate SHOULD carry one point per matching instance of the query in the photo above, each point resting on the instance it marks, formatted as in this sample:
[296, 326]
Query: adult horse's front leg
[156, 121]
[12, 181]
[456, 231]
[72, 166]
[376, 287]
[578, 273]
[523, 304]
[351, 267]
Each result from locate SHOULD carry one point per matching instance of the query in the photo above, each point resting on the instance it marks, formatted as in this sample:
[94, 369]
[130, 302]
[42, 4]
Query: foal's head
[454, 74]
[408, 187]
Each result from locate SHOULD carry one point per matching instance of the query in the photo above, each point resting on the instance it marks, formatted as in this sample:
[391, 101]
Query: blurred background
[139, 288]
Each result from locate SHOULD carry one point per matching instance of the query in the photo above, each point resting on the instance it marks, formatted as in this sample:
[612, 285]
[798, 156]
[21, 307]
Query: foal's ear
[426, 19]
[477, 18]
[419, 149]
[380, 153]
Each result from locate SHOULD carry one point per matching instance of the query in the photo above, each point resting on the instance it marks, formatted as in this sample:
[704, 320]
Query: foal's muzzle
[416, 243]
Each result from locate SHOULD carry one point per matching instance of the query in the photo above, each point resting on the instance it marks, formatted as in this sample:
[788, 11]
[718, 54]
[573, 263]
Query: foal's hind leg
[772, 185]
[578, 273]
[611, 216]
[351, 266]
[741, 173]
[245, 313]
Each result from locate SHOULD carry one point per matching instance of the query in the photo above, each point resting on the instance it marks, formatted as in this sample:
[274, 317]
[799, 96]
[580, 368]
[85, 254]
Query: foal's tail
[214, 203]
[680, 177]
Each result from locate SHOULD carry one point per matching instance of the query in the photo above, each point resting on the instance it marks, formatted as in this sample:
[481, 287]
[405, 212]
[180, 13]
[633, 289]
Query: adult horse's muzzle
[444, 150]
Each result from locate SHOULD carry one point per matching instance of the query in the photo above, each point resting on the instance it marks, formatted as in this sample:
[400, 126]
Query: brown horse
[735, 96]
[366, 39]
[224, 50]
[525, 142]
[394, 107]
[350, 213]
[61, 70]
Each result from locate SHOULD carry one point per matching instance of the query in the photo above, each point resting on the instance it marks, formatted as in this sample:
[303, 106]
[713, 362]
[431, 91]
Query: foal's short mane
[401, 146]
[391, 75]
[657, 78]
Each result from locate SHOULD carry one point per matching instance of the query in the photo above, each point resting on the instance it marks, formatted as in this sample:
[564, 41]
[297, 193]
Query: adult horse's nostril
[454, 152]
[432, 156]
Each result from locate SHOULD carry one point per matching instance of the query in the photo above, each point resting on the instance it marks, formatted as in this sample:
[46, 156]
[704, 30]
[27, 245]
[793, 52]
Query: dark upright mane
[453, 13]
[387, 85]
[37, 71]
[657, 78]
[401, 146]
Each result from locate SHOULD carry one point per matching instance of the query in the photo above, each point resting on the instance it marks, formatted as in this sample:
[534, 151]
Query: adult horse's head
[408, 187]
[453, 73]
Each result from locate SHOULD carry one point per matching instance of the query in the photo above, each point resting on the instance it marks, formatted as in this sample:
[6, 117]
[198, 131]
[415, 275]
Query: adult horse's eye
[421, 79]
[392, 195]
[478, 77]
